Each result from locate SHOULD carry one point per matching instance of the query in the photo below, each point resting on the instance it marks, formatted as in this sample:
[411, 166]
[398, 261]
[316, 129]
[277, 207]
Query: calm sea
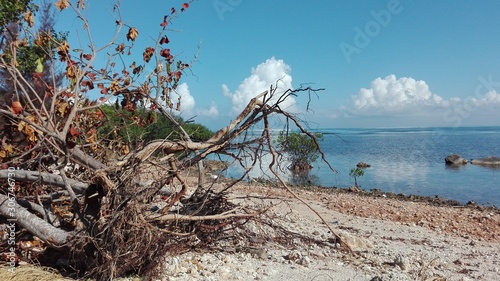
[411, 161]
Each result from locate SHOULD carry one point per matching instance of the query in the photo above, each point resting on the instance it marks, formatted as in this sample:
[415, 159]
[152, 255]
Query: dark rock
[491, 161]
[363, 165]
[455, 160]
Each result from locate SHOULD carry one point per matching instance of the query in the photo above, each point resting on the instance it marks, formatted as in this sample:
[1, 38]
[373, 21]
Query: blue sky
[384, 63]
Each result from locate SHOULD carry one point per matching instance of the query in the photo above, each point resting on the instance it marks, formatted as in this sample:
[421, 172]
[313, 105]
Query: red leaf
[88, 83]
[104, 91]
[164, 40]
[73, 132]
[100, 85]
[165, 53]
[184, 6]
[178, 75]
[164, 24]
[67, 94]
[137, 70]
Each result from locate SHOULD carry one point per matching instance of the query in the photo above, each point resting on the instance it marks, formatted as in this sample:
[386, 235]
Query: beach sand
[391, 239]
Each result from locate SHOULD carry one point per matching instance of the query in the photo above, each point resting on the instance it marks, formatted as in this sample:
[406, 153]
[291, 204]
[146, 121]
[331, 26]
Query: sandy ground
[392, 239]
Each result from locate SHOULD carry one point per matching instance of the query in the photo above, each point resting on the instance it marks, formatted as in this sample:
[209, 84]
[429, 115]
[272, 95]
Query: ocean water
[411, 161]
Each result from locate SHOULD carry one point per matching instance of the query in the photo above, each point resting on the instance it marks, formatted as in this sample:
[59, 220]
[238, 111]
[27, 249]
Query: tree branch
[44, 178]
[200, 218]
[14, 213]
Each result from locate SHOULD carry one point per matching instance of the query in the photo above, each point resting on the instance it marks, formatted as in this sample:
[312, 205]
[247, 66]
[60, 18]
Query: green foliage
[300, 149]
[146, 125]
[197, 132]
[30, 55]
[12, 10]
[356, 173]
[34, 48]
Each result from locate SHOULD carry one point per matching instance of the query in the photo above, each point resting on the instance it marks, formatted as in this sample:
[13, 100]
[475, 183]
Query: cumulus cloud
[212, 111]
[490, 98]
[187, 100]
[408, 96]
[188, 104]
[392, 95]
[188, 107]
[389, 97]
[260, 79]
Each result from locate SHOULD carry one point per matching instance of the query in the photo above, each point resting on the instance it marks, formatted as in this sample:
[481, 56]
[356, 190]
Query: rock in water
[491, 161]
[455, 159]
[363, 165]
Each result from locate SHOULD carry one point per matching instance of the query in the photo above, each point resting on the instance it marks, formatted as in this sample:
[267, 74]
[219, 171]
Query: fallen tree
[109, 216]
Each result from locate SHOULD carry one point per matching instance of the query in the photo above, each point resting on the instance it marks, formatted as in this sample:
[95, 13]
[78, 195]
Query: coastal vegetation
[300, 149]
[356, 173]
[96, 164]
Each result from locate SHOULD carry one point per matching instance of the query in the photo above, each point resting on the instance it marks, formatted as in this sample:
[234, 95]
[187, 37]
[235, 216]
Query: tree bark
[45, 178]
[84, 159]
[15, 214]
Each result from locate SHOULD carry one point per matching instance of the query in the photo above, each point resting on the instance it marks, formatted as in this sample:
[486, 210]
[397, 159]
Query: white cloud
[411, 97]
[187, 100]
[260, 79]
[490, 98]
[212, 111]
[395, 95]
[405, 101]
[188, 107]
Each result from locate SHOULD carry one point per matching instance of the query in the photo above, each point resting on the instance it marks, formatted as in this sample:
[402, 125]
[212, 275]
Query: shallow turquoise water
[411, 161]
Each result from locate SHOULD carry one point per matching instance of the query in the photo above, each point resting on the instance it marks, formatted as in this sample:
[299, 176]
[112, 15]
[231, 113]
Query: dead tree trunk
[15, 214]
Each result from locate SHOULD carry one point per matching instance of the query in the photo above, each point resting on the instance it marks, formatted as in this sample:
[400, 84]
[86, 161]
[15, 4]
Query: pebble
[304, 261]
[402, 262]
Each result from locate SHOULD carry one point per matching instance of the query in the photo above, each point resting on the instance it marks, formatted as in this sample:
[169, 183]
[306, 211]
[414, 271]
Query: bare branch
[14, 213]
[44, 178]
[178, 217]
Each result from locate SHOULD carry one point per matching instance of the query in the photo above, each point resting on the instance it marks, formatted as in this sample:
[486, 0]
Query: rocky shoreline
[431, 200]
[392, 238]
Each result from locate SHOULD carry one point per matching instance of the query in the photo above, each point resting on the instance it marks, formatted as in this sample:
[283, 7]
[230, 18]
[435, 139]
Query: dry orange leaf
[27, 129]
[62, 4]
[114, 86]
[29, 18]
[16, 107]
[132, 33]
[63, 108]
[8, 148]
[125, 149]
[63, 50]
